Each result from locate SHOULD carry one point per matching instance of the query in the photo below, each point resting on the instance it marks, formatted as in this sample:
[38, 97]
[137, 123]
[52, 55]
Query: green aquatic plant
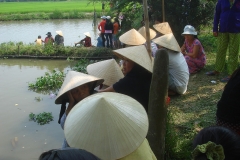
[41, 118]
[48, 82]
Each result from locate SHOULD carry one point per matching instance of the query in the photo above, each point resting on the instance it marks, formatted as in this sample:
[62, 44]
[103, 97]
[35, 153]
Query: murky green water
[20, 138]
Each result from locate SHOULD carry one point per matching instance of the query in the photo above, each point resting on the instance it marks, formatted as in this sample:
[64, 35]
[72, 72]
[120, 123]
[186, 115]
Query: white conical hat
[142, 31]
[109, 125]
[132, 37]
[137, 54]
[109, 70]
[59, 32]
[72, 80]
[168, 41]
[163, 28]
[87, 34]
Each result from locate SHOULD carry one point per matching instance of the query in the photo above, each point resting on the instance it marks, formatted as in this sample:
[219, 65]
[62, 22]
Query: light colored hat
[132, 37]
[137, 54]
[108, 17]
[103, 17]
[163, 28]
[142, 31]
[87, 34]
[109, 125]
[59, 32]
[109, 70]
[168, 41]
[188, 29]
[72, 80]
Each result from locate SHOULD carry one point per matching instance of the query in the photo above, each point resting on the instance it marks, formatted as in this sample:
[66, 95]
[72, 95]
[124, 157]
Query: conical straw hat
[60, 33]
[109, 70]
[163, 28]
[132, 37]
[72, 80]
[137, 54]
[168, 41]
[87, 34]
[109, 125]
[142, 31]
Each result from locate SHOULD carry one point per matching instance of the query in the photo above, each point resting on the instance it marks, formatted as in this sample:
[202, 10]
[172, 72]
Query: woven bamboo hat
[109, 70]
[163, 28]
[87, 34]
[142, 31]
[109, 125]
[132, 37]
[72, 80]
[59, 32]
[168, 41]
[137, 54]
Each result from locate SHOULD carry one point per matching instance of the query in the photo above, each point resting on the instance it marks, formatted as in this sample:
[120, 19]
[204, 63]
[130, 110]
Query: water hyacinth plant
[41, 118]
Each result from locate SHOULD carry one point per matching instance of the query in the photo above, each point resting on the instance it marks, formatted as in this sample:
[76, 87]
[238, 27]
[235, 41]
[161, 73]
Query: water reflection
[17, 102]
[27, 31]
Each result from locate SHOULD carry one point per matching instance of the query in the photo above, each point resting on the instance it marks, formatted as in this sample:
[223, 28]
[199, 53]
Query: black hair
[229, 140]
[67, 154]
[116, 20]
[39, 36]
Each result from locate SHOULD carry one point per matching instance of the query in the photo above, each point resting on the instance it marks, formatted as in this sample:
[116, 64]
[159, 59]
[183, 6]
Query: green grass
[31, 7]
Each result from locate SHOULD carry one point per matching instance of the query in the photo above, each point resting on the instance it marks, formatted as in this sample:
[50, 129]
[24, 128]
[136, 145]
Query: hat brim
[191, 33]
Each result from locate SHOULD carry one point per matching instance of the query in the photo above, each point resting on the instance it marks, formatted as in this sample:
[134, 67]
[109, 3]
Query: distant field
[29, 7]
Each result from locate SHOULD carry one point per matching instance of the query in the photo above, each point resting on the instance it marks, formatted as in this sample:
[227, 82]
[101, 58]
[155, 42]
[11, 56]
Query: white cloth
[178, 72]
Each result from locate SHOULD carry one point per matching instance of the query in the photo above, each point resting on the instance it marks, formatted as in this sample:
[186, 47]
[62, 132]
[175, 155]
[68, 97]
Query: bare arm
[195, 53]
[71, 102]
[109, 89]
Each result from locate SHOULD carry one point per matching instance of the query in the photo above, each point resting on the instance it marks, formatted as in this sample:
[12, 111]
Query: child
[39, 41]
[99, 41]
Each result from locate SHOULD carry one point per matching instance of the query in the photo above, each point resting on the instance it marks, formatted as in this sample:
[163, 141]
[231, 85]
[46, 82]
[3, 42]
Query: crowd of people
[104, 114]
[49, 40]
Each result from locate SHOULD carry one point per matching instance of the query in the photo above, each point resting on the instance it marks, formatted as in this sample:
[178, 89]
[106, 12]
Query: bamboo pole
[146, 20]
[157, 108]
[163, 10]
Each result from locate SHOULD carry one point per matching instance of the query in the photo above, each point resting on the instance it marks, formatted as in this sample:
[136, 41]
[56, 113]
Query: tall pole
[146, 20]
[163, 11]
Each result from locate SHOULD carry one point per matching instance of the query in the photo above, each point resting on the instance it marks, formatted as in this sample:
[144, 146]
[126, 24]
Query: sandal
[212, 73]
[225, 79]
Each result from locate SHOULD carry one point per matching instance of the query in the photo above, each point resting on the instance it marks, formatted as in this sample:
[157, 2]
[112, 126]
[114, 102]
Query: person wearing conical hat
[86, 41]
[137, 68]
[76, 86]
[59, 39]
[111, 126]
[132, 38]
[178, 69]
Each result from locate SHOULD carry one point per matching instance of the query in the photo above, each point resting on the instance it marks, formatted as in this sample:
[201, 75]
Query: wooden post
[163, 11]
[157, 108]
[146, 21]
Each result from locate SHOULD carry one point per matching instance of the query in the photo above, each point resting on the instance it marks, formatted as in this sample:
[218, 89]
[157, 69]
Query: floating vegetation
[41, 118]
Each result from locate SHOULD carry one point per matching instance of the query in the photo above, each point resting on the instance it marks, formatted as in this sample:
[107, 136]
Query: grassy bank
[48, 10]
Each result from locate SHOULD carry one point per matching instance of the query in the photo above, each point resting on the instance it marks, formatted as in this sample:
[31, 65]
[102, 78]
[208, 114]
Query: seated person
[59, 39]
[39, 41]
[111, 126]
[178, 69]
[85, 41]
[216, 143]
[76, 86]
[192, 50]
[228, 107]
[137, 68]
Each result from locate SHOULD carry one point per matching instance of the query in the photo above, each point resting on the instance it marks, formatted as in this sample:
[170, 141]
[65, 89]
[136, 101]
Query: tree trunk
[157, 108]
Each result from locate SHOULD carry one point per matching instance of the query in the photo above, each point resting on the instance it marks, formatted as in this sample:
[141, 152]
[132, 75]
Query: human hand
[215, 34]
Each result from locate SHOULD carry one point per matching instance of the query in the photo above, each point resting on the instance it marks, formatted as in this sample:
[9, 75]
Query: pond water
[28, 31]
[20, 138]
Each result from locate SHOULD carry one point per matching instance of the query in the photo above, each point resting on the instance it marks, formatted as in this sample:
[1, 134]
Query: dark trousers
[109, 38]
[103, 39]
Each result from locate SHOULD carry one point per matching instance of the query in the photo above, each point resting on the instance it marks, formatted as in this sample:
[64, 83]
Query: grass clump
[41, 118]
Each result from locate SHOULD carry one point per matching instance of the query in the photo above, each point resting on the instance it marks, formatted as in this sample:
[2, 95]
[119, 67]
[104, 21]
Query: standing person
[86, 41]
[39, 41]
[49, 39]
[99, 40]
[59, 40]
[226, 27]
[192, 50]
[76, 86]
[108, 31]
[102, 30]
[116, 27]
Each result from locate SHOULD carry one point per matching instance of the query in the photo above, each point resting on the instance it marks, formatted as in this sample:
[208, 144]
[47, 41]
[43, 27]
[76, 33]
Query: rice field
[64, 6]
